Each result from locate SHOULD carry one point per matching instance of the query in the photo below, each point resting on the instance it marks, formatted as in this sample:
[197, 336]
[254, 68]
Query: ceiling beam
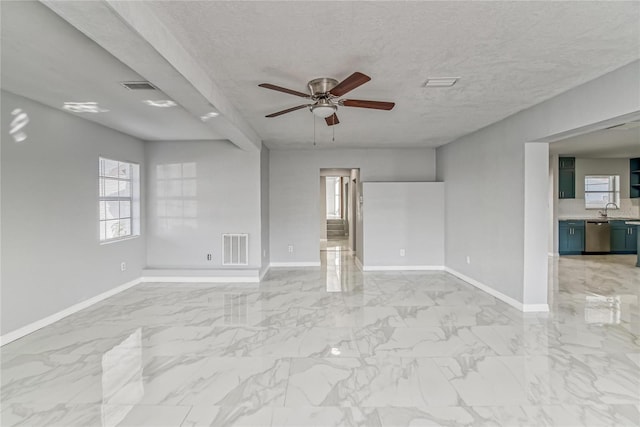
[134, 35]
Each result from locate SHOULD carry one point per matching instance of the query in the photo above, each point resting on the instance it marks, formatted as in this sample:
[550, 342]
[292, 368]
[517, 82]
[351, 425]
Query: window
[119, 199]
[600, 190]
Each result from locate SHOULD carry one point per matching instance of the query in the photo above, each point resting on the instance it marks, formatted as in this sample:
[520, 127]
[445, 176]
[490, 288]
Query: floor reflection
[122, 385]
[306, 344]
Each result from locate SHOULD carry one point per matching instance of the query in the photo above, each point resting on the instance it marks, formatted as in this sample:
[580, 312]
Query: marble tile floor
[332, 346]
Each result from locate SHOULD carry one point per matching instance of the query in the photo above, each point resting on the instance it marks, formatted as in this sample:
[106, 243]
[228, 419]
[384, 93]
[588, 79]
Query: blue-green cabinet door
[577, 240]
[619, 239]
[567, 184]
[632, 239]
[571, 237]
[624, 238]
[564, 238]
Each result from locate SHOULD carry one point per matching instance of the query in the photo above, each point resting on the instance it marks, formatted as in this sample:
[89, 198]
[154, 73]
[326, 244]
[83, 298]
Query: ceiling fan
[324, 92]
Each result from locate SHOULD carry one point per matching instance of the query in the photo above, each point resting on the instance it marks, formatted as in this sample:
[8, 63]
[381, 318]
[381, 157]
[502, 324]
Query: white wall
[264, 206]
[51, 255]
[197, 191]
[403, 215]
[536, 238]
[485, 185]
[295, 183]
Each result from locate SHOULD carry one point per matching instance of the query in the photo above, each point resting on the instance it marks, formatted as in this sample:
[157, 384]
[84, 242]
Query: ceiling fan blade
[376, 105]
[288, 110]
[332, 120]
[350, 83]
[284, 89]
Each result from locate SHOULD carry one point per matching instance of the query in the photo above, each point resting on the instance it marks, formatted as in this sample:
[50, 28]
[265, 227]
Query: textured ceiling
[509, 56]
[47, 60]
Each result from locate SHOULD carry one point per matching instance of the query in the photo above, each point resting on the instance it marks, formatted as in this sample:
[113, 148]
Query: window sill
[120, 239]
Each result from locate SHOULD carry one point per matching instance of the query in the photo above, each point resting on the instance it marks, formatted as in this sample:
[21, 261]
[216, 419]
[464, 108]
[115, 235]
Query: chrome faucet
[606, 208]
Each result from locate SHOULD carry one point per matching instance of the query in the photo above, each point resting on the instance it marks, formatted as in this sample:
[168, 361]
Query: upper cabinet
[567, 178]
[634, 178]
[567, 163]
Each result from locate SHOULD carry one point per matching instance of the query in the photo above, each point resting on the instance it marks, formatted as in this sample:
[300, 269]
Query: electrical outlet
[264, 253]
[402, 252]
[209, 257]
[290, 249]
[123, 266]
[468, 259]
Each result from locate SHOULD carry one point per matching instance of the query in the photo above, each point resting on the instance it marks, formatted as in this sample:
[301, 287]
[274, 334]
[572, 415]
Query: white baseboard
[359, 263]
[528, 308]
[295, 264]
[39, 324]
[200, 279]
[535, 308]
[402, 267]
[553, 255]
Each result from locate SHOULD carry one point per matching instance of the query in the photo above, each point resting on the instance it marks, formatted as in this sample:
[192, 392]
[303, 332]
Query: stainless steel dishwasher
[598, 237]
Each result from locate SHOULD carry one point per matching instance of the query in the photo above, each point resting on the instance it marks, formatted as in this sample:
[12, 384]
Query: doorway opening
[338, 193]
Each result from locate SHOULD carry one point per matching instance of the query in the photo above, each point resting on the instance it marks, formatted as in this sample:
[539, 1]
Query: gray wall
[218, 191]
[295, 184]
[264, 205]
[355, 175]
[51, 254]
[403, 215]
[484, 176]
[602, 167]
[323, 207]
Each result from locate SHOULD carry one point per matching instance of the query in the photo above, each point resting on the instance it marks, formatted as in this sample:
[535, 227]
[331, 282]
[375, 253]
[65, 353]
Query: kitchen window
[599, 190]
[119, 199]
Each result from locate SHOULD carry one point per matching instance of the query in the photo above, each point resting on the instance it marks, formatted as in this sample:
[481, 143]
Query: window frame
[615, 192]
[133, 199]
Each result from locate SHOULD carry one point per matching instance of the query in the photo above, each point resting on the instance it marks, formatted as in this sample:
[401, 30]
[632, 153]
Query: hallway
[334, 346]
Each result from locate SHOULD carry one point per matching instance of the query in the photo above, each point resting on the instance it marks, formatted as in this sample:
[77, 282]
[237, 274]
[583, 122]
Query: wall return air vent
[235, 249]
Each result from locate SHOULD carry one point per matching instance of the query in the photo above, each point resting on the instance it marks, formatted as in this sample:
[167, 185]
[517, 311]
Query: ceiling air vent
[138, 85]
[626, 126]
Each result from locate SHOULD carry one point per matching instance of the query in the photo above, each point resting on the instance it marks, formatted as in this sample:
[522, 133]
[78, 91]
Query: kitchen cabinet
[634, 178]
[567, 178]
[571, 237]
[624, 238]
[567, 162]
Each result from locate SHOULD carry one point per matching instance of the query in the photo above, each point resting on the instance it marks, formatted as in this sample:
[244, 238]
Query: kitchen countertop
[611, 218]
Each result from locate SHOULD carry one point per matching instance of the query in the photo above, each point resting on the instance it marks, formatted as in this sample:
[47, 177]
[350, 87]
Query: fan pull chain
[314, 130]
[333, 129]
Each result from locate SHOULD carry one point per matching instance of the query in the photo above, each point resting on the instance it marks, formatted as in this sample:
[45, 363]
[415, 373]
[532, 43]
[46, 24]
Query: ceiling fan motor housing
[321, 86]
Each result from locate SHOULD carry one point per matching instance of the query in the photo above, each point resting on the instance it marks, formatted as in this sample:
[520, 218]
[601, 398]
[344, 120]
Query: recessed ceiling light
[83, 107]
[162, 103]
[209, 116]
[441, 82]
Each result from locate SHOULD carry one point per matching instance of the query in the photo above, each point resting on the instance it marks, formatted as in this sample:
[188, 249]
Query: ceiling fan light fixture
[323, 110]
